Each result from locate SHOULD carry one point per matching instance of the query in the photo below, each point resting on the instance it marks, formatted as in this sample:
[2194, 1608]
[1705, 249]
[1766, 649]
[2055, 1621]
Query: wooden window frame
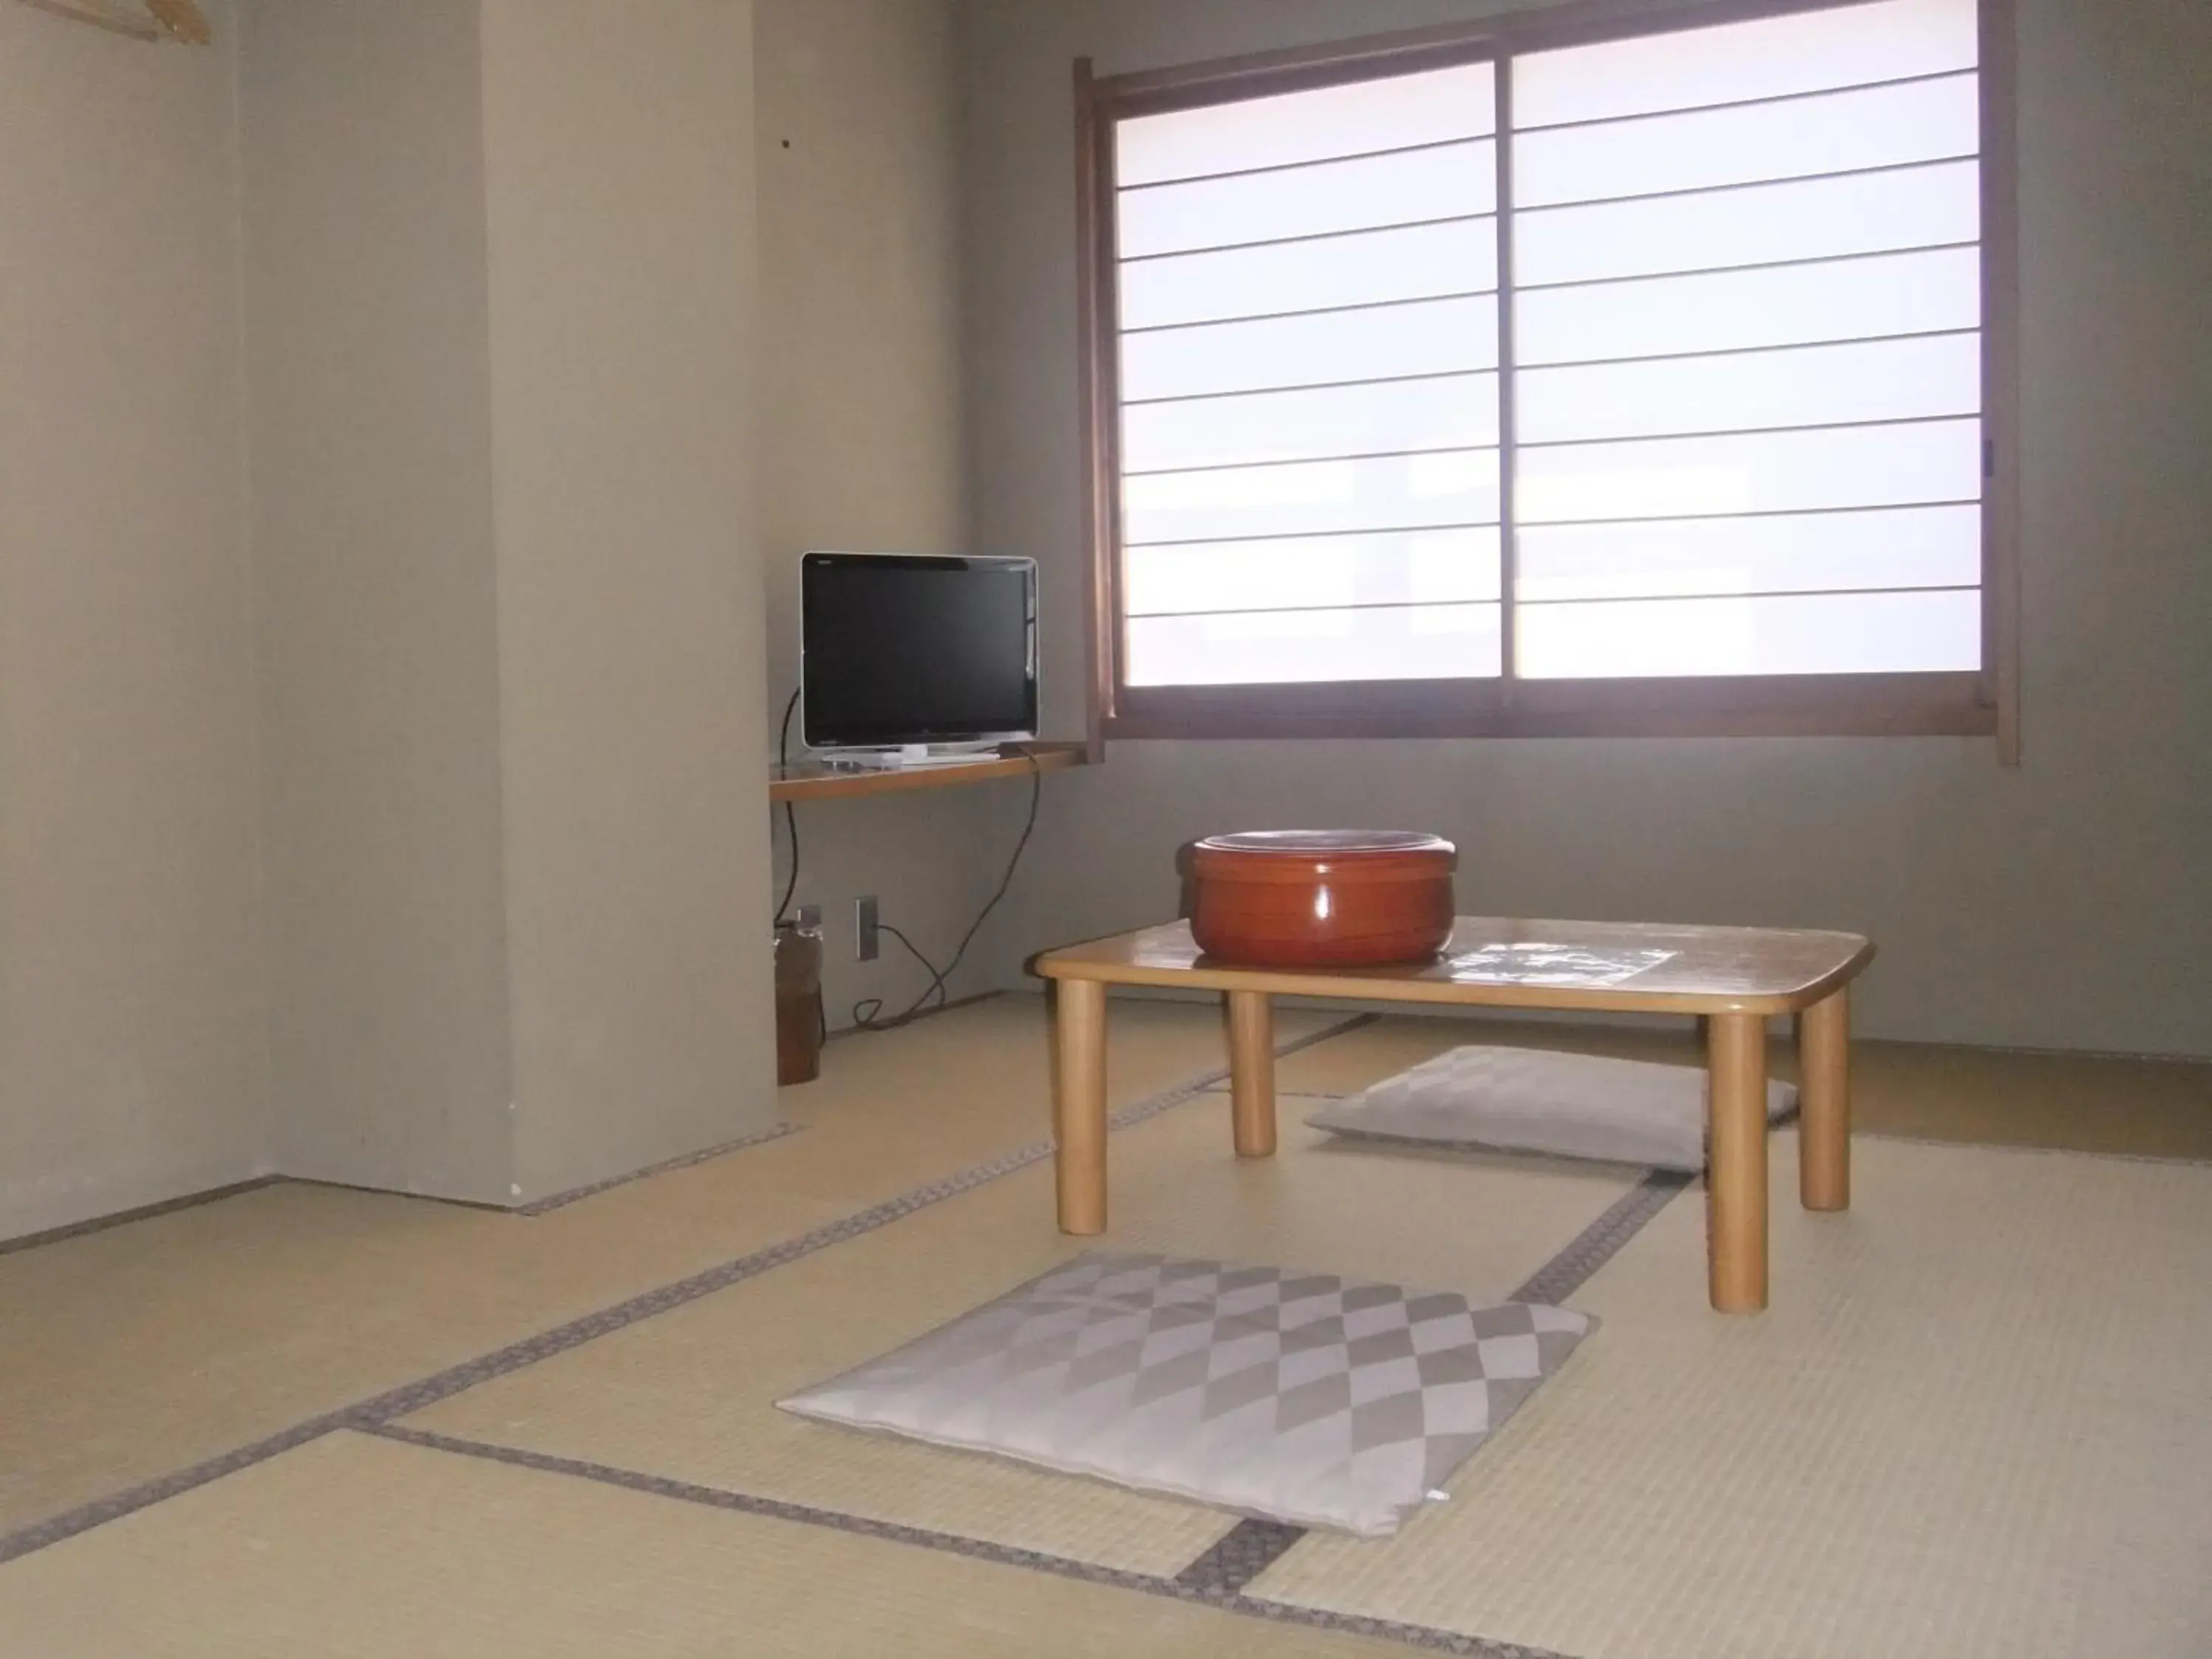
[1982, 704]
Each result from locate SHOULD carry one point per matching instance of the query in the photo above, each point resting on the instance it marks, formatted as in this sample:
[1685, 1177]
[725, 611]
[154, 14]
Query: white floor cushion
[1295, 1397]
[1529, 1100]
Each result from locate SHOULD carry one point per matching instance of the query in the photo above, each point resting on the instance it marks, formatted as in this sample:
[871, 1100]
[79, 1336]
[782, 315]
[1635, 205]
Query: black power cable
[790, 811]
[867, 1014]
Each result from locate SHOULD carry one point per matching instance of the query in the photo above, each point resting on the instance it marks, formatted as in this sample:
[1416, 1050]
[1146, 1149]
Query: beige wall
[619, 183]
[863, 433]
[500, 313]
[424, 443]
[132, 1065]
[370, 360]
[2068, 903]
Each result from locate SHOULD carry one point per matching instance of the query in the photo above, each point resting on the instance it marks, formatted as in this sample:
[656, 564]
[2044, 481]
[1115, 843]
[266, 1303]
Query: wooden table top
[1626, 967]
[814, 779]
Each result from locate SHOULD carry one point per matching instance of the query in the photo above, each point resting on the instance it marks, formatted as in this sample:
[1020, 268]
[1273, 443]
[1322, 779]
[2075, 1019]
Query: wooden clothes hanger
[163, 19]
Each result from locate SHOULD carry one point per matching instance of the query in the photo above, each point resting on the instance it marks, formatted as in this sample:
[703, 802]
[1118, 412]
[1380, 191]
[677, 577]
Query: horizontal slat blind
[1449, 487]
[1856, 633]
[1745, 376]
[1846, 299]
[1852, 45]
[1790, 222]
[1902, 124]
[1310, 390]
[1757, 472]
[1368, 118]
[1372, 192]
[1448, 412]
[1457, 566]
[1749, 378]
[1883, 547]
[1351, 345]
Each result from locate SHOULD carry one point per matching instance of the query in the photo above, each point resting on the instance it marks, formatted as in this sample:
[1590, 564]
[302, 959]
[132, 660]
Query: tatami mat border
[2033, 1150]
[541, 1206]
[1250, 1547]
[414, 1396]
[239, 1189]
[1240, 1555]
[669, 1166]
[102, 1223]
[1418, 1636]
[1603, 1239]
[1217, 1578]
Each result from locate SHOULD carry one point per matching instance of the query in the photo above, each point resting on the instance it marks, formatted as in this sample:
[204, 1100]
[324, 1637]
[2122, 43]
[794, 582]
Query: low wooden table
[1734, 978]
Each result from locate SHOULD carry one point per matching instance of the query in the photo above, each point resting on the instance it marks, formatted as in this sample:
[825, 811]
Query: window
[1557, 377]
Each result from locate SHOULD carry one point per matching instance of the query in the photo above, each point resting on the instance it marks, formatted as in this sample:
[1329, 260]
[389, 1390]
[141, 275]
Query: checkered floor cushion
[1527, 1100]
[1295, 1397]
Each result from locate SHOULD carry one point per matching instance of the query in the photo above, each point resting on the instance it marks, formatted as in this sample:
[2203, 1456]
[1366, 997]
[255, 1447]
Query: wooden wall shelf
[812, 780]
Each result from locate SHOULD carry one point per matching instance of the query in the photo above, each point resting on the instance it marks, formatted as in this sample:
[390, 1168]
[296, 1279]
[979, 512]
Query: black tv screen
[909, 649]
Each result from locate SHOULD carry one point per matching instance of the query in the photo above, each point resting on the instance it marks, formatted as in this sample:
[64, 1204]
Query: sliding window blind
[1739, 329]
[1748, 353]
[1309, 370]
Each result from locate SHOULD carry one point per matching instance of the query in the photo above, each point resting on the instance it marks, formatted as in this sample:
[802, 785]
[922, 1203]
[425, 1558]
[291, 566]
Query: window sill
[1807, 706]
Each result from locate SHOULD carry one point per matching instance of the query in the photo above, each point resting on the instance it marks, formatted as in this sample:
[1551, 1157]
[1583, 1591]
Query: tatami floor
[306, 1420]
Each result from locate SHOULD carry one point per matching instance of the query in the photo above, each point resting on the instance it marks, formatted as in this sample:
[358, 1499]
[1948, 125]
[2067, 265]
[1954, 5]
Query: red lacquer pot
[1321, 898]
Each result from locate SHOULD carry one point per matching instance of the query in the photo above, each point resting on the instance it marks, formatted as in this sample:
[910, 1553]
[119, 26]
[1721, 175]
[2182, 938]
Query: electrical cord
[790, 811]
[865, 1011]
[867, 1014]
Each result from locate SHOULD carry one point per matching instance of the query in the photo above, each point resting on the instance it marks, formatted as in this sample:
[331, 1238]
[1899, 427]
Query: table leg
[1252, 1073]
[1736, 1183]
[1078, 1106]
[1823, 1127]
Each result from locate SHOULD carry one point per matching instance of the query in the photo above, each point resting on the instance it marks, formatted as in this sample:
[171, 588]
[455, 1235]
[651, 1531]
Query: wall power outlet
[867, 938]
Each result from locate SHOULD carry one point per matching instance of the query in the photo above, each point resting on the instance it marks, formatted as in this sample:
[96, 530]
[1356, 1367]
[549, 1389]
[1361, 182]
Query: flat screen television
[900, 650]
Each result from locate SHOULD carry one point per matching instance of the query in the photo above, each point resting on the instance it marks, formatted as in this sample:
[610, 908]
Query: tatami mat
[689, 1394]
[1395, 1043]
[1974, 1422]
[131, 1354]
[359, 1548]
[1977, 1096]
